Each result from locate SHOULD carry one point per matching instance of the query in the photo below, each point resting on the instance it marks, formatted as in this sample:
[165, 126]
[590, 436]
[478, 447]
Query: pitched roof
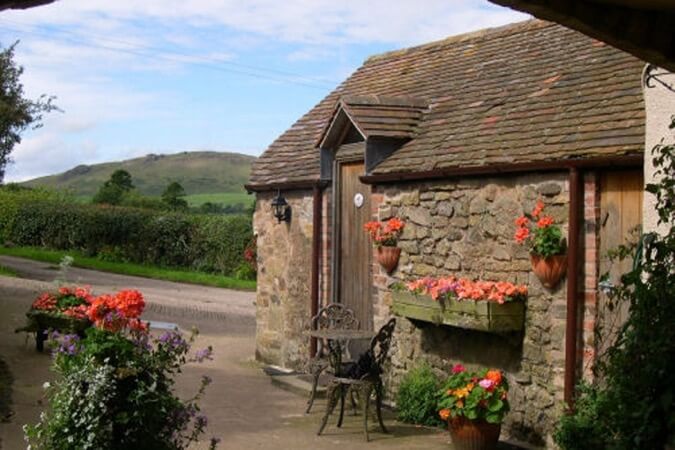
[527, 92]
[375, 116]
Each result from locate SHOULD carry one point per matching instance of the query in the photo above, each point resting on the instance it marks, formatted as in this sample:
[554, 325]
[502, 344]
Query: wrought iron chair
[363, 377]
[331, 317]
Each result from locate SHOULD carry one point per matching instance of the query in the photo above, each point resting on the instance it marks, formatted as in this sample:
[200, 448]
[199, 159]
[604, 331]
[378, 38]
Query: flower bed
[459, 302]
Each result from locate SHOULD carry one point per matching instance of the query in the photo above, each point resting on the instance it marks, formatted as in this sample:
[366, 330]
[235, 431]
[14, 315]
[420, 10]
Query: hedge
[206, 243]
[13, 195]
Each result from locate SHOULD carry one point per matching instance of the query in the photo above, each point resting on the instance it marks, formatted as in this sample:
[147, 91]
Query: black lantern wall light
[281, 209]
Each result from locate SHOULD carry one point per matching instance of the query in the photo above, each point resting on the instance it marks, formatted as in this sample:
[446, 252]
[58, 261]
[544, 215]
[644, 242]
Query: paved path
[244, 409]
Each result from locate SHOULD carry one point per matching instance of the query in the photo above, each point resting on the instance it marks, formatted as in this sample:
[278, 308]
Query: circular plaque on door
[358, 199]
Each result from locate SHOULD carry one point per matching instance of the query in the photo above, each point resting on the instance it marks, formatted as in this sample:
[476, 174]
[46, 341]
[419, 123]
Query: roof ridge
[510, 28]
[403, 101]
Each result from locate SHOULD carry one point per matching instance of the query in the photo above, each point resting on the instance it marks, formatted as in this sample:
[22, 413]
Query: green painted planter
[482, 316]
[41, 321]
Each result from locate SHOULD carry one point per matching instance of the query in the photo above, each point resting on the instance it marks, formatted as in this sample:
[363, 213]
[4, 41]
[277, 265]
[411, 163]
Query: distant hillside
[198, 172]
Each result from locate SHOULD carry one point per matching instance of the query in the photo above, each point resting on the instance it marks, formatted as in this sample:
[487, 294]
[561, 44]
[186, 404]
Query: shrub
[219, 242]
[12, 196]
[417, 397]
[583, 430]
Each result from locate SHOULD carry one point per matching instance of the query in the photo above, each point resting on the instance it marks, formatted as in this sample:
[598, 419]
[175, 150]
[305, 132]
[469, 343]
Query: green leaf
[493, 417]
[495, 405]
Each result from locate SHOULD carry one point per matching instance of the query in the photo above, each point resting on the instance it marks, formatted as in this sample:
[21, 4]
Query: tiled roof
[527, 92]
[379, 116]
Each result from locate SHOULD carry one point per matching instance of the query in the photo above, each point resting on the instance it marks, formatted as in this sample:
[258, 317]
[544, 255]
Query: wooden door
[620, 223]
[354, 247]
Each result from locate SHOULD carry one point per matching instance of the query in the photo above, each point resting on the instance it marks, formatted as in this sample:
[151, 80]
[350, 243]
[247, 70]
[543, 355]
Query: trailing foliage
[207, 243]
[417, 397]
[633, 404]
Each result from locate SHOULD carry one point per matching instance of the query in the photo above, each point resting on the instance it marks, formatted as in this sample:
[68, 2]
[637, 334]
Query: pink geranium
[486, 384]
[458, 368]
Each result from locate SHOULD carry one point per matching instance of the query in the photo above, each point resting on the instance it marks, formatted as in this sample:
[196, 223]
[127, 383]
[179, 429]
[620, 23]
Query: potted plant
[385, 237]
[548, 247]
[116, 385]
[64, 310]
[474, 405]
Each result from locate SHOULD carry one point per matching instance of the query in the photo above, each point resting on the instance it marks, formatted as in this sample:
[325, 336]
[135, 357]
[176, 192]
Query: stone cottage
[458, 138]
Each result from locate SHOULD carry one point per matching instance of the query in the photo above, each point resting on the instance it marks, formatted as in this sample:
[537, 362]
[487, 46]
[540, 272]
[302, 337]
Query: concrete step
[300, 384]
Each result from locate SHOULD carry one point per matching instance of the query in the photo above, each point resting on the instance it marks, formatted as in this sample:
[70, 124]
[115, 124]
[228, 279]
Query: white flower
[46, 385]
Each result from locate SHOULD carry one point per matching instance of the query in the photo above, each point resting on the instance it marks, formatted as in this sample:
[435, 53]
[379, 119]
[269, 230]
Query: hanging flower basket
[548, 246]
[473, 434]
[385, 237]
[388, 257]
[549, 269]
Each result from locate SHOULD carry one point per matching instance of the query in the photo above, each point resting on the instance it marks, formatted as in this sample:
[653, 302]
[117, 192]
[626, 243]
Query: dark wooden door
[620, 222]
[354, 247]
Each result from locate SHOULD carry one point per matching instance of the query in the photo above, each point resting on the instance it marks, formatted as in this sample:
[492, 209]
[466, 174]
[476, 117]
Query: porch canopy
[644, 28]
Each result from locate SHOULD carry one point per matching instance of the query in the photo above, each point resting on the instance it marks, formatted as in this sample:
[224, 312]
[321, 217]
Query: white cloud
[305, 21]
[82, 51]
[46, 154]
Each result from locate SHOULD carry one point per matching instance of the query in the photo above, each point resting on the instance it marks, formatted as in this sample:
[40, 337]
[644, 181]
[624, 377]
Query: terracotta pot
[388, 257]
[549, 270]
[473, 434]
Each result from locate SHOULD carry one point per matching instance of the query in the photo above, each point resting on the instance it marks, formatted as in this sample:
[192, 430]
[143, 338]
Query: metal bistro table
[336, 339]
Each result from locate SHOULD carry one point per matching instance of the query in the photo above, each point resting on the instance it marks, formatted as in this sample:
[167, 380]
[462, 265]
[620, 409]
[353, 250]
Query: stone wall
[465, 228]
[283, 299]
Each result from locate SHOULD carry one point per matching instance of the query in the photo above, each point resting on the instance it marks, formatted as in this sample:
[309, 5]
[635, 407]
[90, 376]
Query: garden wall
[465, 228]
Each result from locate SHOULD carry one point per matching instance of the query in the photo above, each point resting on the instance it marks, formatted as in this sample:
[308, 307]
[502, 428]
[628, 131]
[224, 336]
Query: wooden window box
[482, 315]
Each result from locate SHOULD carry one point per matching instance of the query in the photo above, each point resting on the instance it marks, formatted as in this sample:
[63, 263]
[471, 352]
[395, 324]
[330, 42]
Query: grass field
[7, 272]
[159, 273]
[226, 198]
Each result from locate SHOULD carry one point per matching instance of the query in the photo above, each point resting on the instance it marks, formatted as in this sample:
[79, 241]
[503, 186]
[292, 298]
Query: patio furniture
[333, 317]
[363, 378]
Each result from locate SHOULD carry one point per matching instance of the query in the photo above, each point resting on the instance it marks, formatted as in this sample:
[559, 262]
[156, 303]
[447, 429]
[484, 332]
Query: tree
[122, 179]
[17, 113]
[173, 196]
[113, 191]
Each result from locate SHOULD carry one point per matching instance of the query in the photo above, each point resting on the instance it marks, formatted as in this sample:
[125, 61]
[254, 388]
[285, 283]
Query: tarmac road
[243, 408]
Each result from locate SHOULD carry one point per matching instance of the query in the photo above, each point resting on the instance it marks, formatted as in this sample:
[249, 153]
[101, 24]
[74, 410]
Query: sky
[164, 76]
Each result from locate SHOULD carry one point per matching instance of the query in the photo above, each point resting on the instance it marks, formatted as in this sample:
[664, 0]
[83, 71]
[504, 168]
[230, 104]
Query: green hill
[197, 172]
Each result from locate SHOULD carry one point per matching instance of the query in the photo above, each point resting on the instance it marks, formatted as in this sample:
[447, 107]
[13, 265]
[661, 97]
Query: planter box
[482, 315]
[41, 321]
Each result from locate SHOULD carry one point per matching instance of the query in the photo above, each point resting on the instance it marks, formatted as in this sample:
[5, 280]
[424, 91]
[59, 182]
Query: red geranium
[114, 312]
[385, 233]
[545, 239]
